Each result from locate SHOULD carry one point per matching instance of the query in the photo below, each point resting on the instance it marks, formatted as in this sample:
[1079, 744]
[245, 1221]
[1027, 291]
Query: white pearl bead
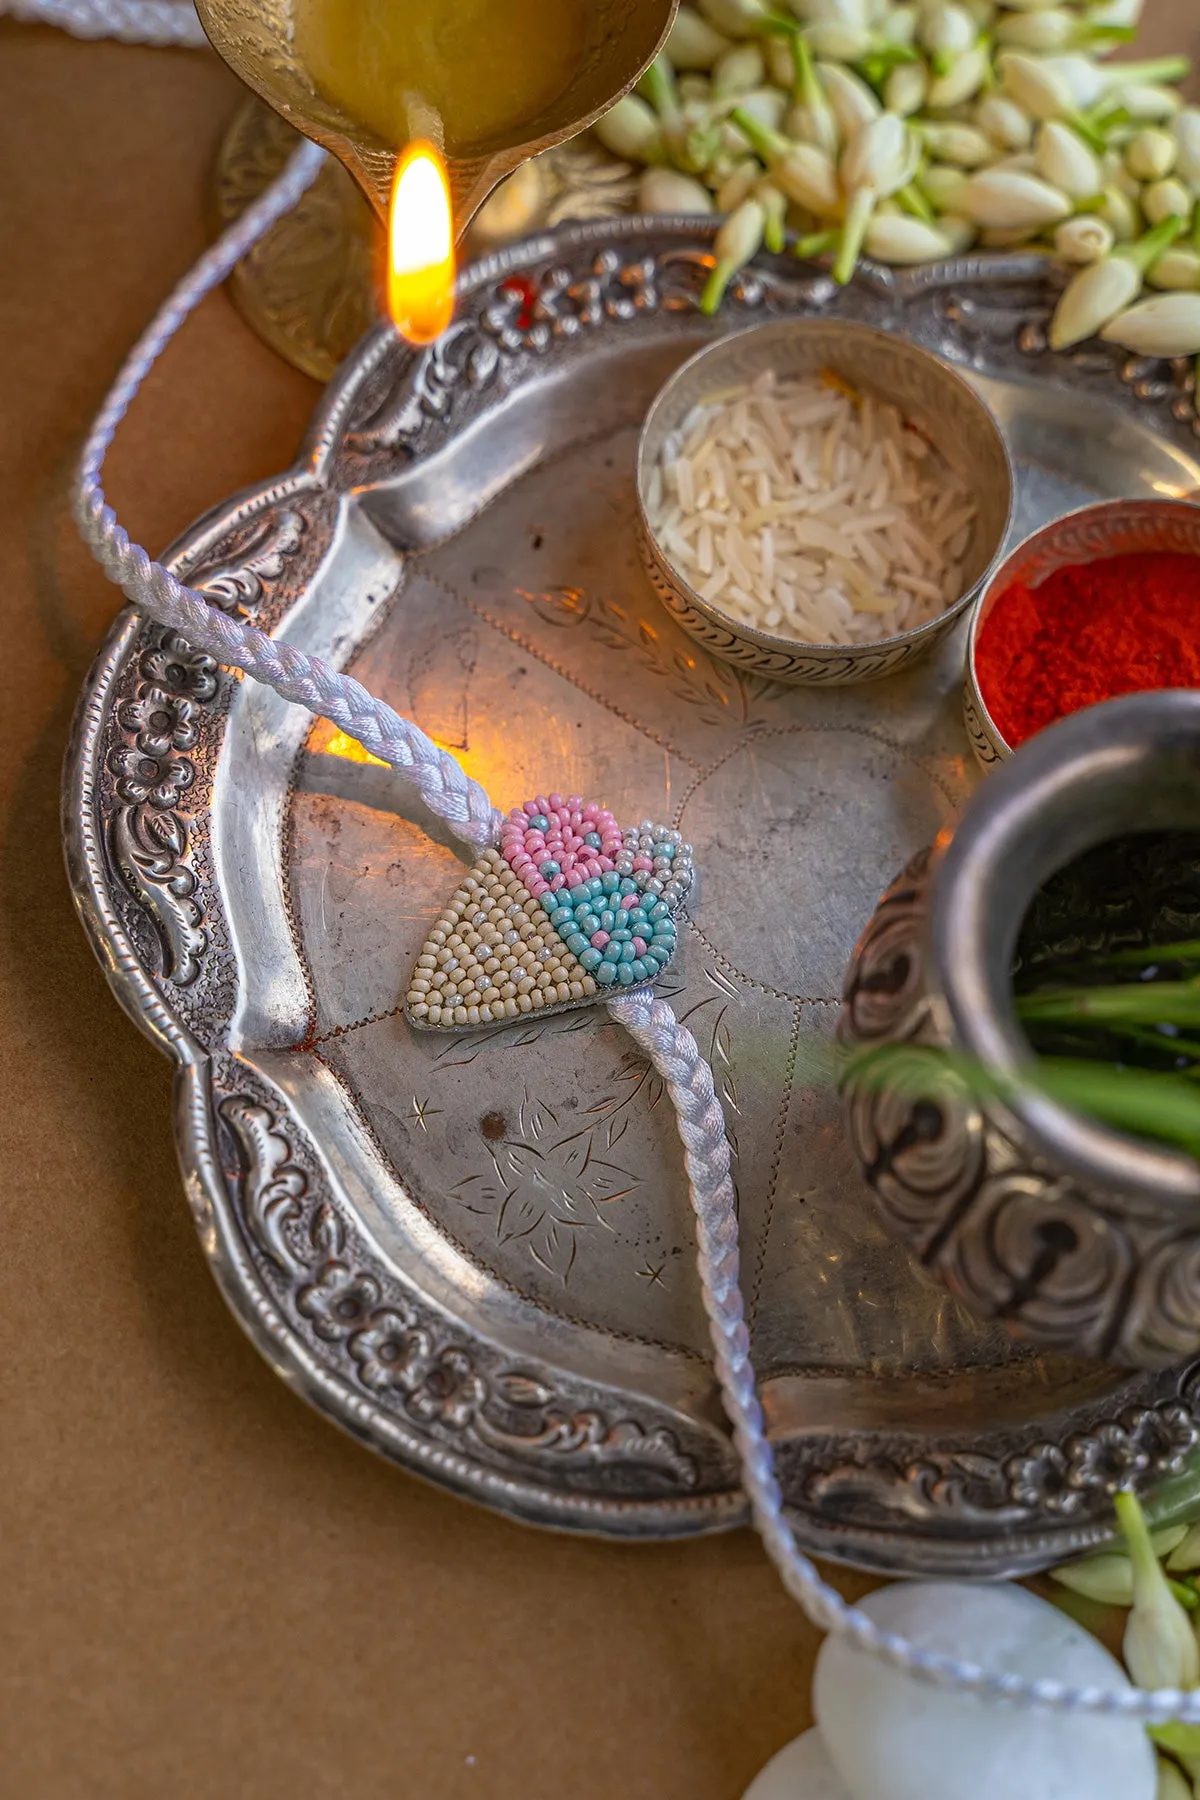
[893, 1738]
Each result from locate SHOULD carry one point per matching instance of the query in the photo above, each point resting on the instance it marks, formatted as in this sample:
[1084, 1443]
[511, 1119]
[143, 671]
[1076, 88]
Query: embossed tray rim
[205, 1185]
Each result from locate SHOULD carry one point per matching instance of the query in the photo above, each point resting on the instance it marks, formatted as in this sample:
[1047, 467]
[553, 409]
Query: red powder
[1090, 631]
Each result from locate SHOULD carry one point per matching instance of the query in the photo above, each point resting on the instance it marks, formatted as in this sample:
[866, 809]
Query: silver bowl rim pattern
[1097, 519]
[876, 657]
[1067, 790]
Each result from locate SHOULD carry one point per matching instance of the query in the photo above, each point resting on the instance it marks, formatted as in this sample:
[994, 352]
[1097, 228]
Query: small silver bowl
[1109, 528]
[925, 389]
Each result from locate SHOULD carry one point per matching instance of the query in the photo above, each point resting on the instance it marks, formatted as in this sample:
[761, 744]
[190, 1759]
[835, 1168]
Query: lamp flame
[421, 246]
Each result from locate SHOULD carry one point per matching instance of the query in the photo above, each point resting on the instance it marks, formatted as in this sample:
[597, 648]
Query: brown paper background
[206, 1593]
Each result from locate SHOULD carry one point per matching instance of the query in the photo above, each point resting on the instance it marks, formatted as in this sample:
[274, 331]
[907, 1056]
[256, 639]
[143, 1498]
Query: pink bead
[605, 865]
[629, 901]
[644, 862]
[574, 801]
[555, 802]
[538, 886]
[543, 805]
[599, 939]
[590, 810]
[556, 882]
[574, 878]
[531, 808]
[640, 946]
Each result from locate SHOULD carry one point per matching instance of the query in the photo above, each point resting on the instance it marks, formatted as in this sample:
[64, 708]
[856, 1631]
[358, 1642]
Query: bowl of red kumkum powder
[1101, 602]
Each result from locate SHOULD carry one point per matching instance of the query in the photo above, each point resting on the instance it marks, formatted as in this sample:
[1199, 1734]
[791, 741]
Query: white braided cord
[164, 23]
[650, 1021]
[441, 781]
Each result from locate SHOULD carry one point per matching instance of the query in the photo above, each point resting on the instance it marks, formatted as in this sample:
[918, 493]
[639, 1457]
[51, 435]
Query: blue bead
[621, 936]
[628, 886]
[611, 882]
[588, 923]
[576, 942]
[653, 961]
[628, 953]
[640, 969]
[607, 920]
[664, 928]
[592, 840]
[625, 974]
[539, 822]
[550, 868]
[562, 915]
[606, 973]
[667, 850]
[550, 902]
[595, 886]
[589, 959]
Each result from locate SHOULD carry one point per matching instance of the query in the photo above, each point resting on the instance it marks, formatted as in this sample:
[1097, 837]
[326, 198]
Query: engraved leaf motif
[326, 1231]
[522, 1390]
[614, 1131]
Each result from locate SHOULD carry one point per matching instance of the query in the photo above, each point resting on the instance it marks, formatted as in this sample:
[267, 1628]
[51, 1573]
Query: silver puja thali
[475, 1252]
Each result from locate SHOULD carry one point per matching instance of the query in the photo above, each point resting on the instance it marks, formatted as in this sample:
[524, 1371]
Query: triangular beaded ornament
[567, 910]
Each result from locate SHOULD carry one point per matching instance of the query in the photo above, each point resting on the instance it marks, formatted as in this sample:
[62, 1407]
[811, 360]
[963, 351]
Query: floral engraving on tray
[545, 1190]
[1042, 1479]
[403, 1355]
[147, 832]
[156, 732]
[236, 581]
[724, 695]
[523, 313]
[1023, 320]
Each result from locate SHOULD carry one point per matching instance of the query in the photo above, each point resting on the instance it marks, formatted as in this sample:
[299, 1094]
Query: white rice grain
[812, 512]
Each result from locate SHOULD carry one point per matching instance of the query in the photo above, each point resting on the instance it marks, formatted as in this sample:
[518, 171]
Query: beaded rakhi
[568, 909]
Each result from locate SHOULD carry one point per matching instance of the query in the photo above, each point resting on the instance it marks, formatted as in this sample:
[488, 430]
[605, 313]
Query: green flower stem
[774, 221]
[817, 243]
[915, 204]
[1150, 246]
[658, 87]
[1154, 69]
[850, 239]
[1136, 1003]
[1186, 950]
[767, 145]
[878, 64]
[1160, 1106]
[1092, 133]
[808, 90]
[714, 288]
[1187, 1596]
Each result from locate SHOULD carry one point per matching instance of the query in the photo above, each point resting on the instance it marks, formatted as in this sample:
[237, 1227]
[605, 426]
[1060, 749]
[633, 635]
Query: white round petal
[892, 1738]
[801, 1771]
